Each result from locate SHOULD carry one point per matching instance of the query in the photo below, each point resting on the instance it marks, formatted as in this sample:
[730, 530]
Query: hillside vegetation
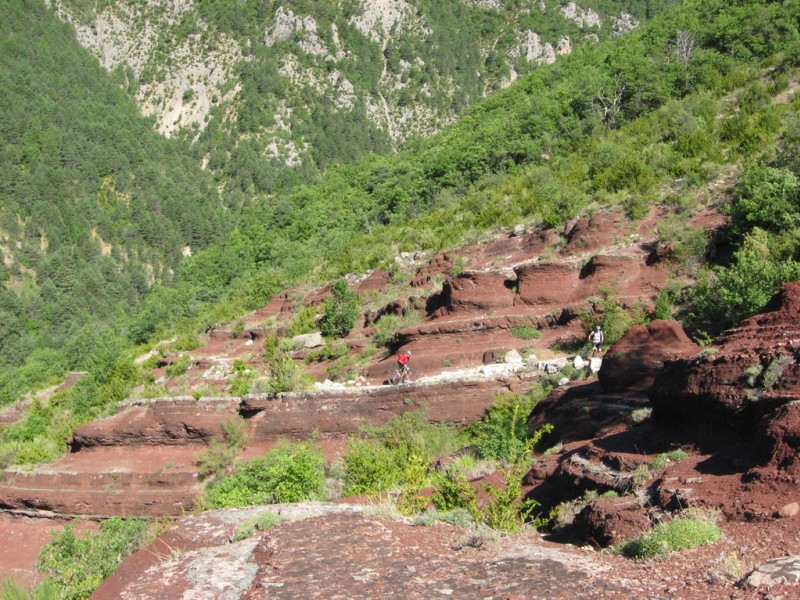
[663, 115]
[275, 92]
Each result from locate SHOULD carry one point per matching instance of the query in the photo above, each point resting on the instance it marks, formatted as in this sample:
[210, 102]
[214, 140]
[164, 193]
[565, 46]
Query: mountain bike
[399, 374]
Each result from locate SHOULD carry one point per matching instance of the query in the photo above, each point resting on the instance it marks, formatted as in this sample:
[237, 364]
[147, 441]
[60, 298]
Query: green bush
[526, 332]
[660, 461]
[504, 510]
[396, 454]
[285, 376]
[388, 325]
[502, 432]
[340, 312]
[79, 564]
[221, 455]
[288, 473]
[179, 367]
[456, 516]
[305, 321]
[10, 589]
[672, 536]
[454, 492]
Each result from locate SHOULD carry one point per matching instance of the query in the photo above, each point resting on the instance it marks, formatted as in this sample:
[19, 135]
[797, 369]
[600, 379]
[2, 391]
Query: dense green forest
[94, 206]
[648, 118]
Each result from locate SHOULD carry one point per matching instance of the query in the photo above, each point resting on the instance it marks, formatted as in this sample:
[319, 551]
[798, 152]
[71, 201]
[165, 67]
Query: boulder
[608, 521]
[632, 363]
[376, 282]
[592, 232]
[308, 340]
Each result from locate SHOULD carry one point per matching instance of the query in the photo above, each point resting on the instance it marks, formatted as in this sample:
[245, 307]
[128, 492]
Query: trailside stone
[789, 510]
[778, 571]
[512, 357]
[308, 340]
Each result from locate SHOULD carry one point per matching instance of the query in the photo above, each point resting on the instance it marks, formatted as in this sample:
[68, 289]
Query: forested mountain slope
[262, 86]
[664, 115]
[94, 205]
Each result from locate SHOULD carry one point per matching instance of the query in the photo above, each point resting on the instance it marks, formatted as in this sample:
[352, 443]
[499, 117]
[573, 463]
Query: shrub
[285, 376]
[660, 461]
[503, 430]
[526, 332]
[371, 468]
[504, 510]
[454, 492]
[456, 516]
[79, 564]
[179, 367]
[341, 311]
[388, 325]
[680, 534]
[46, 590]
[288, 473]
[305, 321]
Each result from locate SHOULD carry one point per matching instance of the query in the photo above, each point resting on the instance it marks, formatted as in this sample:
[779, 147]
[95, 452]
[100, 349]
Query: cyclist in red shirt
[402, 364]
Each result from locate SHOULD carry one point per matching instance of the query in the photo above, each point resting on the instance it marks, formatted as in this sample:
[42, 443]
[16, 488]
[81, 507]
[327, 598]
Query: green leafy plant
[526, 332]
[660, 461]
[454, 492]
[502, 433]
[221, 455]
[672, 536]
[11, 589]
[340, 312]
[79, 564]
[179, 367]
[285, 375]
[287, 473]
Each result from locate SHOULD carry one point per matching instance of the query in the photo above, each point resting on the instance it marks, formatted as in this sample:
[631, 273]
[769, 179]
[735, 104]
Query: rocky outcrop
[473, 291]
[169, 421]
[338, 551]
[606, 522]
[632, 363]
[751, 372]
[546, 283]
[345, 411]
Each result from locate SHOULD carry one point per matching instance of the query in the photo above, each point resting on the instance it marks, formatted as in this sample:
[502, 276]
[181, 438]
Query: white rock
[512, 357]
[579, 363]
[308, 340]
[563, 381]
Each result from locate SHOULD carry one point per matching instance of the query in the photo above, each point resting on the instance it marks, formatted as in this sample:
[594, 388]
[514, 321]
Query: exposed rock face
[344, 411]
[339, 552]
[609, 521]
[593, 232]
[547, 283]
[175, 421]
[753, 372]
[779, 437]
[633, 362]
[475, 291]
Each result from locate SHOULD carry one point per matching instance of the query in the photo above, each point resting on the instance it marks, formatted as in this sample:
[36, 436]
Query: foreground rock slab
[339, 551]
